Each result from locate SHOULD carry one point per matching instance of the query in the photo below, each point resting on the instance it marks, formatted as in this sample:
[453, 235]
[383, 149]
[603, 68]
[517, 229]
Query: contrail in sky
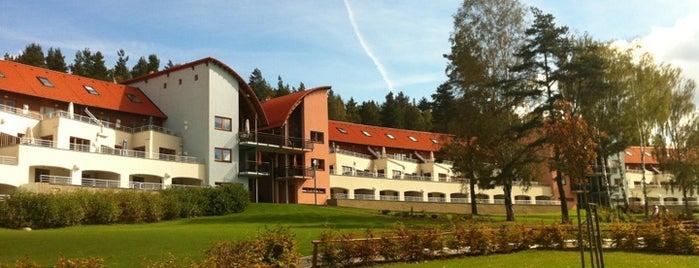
[366, 48]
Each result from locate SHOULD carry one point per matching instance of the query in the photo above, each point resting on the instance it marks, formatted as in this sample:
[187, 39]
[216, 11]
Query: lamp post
[315, 186]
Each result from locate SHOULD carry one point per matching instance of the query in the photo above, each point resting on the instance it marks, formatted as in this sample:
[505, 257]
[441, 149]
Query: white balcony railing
[389, 197]
[548, 202]
[102, 183]
[437, 199]
[60, 180]
[145, 185]
[8, 160]
[111, 151]
[364, 196]
[460, 200]
[339, 196]
[20, 112]
[413, 198]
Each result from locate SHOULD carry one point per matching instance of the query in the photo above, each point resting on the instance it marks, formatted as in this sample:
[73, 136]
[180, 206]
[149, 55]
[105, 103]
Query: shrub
[677, 240]
[132, 206]
[624, 236]
[226, 199]
[512, 238]
[329, 249]
[652, 234]
[274, 248]
[154, 206]
[64, 262]
[100, 207]
[550, 237]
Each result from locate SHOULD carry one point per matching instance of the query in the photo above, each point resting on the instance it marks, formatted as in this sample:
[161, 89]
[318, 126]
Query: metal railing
[364, 197]
[436, 199]
[145, 185]
[8, 160]
[339, 196]
[416, 177]
[107, 124]
[276, 140]
[389, 197]
[548, 202]
[460, 200]
[102, 183]
[401, 157]
[256, 167]
[50, 179]
[413, 198]
[295, 171]
[350, 153]
[20, 112]
[523, 202]
[111, 151]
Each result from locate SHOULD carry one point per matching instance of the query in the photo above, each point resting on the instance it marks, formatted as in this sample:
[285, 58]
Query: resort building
[200, 124]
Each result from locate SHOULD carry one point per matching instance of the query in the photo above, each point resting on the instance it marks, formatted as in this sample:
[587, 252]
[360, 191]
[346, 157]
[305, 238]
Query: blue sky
[394, 44]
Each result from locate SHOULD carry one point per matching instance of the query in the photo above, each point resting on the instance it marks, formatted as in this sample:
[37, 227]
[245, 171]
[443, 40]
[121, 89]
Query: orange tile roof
[279, 109]
[632, 155]
[253, 101]
[23, 79]
[379, 136]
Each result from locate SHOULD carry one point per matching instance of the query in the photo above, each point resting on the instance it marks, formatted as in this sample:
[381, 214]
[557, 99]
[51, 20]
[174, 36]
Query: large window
[222, 123]
[222, 155]
[319, 163]
[45, 81]
[317, 137]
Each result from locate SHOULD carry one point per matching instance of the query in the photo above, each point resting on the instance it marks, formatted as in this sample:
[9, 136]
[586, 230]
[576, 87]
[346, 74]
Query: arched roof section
[279, 109]
[250, 98]
[386, 137]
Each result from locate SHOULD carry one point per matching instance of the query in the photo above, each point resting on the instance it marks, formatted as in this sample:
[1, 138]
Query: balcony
[274, 142]
[105, 183]
[107, 124]
[254, 168]
[20, 112]
[8, 160]
[297, 172]
[111, 151]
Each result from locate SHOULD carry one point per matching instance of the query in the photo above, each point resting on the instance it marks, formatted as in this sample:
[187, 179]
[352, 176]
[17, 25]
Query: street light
[315, 186]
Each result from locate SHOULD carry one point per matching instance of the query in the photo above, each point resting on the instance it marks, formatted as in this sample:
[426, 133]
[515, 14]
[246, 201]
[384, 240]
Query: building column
[76, 175]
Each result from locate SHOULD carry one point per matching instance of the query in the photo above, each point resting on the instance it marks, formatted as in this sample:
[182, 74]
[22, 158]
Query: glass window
[133, 98]
[222, 155]
[222, 123]
[342, 130]
[412, 138]
[91, 90]
[390, 136]
[45, 81]
[2, 75]
[319, 163]
[317, 137]
[435, 141]
[366, 133]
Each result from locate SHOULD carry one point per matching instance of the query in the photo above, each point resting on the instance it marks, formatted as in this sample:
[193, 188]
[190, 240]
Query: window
[133, 98]
[7, 105]
[366, 133]
[320, 163]
[180, 81]
[164, 85]
[317, 137]
[222, 123]
[222, 155]
[435, 141]
[412, 138]
[397, 174]
[2, 75]
[346, 170]
[342, 130]
[91, 90]
[45, 81]
[196, 77]
[390, 136]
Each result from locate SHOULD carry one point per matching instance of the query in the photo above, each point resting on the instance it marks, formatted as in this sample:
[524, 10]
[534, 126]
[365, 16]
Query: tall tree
[32, 55]
[483, 43]
[140, 68]
[370, 113]
[120, 72]
[89, 65]
[56, 61]
[260, 86]
[544, 51]
[153, 63]
[282, 89]
[352, 111]
[336, 107]
[677, 145]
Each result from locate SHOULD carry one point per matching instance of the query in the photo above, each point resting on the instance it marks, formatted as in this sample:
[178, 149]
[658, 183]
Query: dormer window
[45, 81]
[390, 136]
[342, 130]
[91, 90]
[412, 138]
[366, 133]
[133, 98]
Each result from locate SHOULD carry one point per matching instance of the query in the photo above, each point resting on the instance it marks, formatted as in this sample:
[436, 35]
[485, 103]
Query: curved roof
[279, 109]
[24, 79]
[253, 102]
[385, 137]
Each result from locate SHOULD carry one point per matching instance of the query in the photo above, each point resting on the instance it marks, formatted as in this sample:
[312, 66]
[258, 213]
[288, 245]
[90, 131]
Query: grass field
[138, 244]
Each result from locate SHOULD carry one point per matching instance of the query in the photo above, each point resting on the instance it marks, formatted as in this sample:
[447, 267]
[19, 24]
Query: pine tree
[56, 61]
[32, 55]
[370, 113]
[153, 63]
[120, 72]
[140, 69]
[260, 86]
[282, 89]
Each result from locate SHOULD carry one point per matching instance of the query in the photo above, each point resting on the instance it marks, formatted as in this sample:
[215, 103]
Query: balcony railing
[102, 183]
[20, 112]
[256, 167]
[460, 200]
[8, 160]
[339, 196]
[111, 151]
[437, 199]
[145, 185]
[60, 180]
[350, 153]
[364, 197]
[275, 140]
[107, 124]
[389, 197]
[295, 171]
[413, 198]
[416, 177]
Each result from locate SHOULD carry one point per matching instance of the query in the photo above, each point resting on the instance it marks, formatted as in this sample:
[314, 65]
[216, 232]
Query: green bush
[101, 207]
[226, 199]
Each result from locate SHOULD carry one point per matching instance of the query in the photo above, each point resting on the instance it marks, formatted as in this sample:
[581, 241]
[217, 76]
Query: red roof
[253, 102]
[384, 136]
[279, 109]
[24, 79]
[632, 155]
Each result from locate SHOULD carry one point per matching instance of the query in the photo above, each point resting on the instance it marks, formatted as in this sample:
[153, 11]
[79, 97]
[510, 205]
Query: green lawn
[134, 245]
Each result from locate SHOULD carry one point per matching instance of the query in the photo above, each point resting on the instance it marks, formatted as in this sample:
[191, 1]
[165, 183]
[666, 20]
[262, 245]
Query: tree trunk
[472, 189]
[562, 197]
[507, 190]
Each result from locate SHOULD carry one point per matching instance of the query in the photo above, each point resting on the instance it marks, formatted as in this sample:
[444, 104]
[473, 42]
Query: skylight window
[390, 136]
[2, 75]
[45, 81]
[342, 130]
[133, 98]
[412, 138]
[435, 141]
[91, 90]
[628, 153]
[366, 133]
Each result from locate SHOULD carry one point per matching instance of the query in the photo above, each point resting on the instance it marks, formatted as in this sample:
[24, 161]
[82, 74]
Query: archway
[389, 195]
[459, 198]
